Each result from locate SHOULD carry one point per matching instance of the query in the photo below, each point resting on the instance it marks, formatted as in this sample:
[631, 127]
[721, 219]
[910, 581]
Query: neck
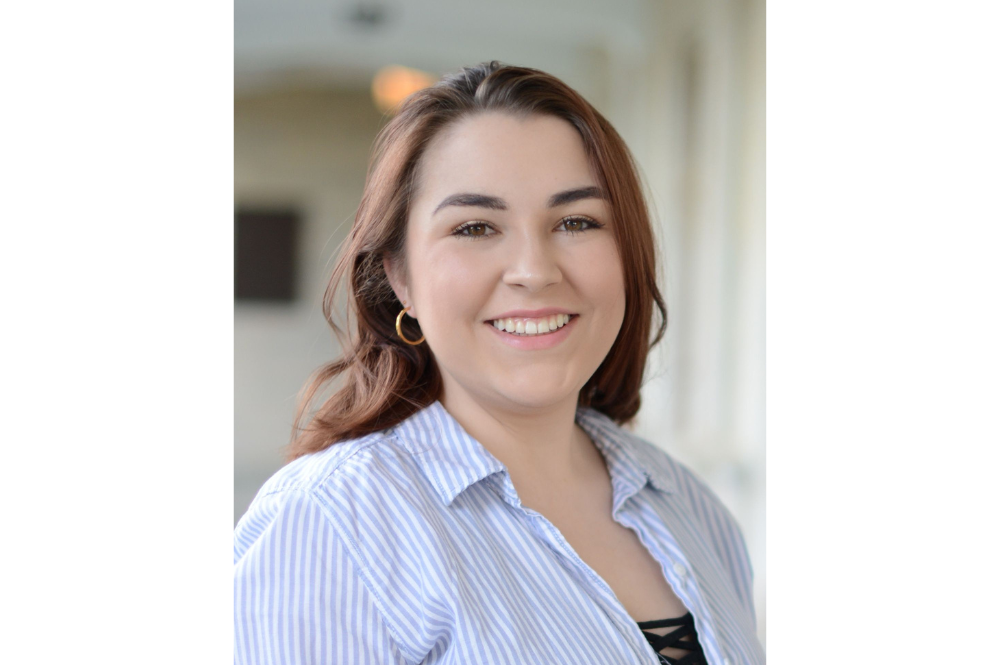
[540, 446]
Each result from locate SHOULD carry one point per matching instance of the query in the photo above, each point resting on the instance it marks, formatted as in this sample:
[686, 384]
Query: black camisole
[674, 639]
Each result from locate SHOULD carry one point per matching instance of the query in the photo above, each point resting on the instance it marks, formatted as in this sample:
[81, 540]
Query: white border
[882, 277]
[117, 361]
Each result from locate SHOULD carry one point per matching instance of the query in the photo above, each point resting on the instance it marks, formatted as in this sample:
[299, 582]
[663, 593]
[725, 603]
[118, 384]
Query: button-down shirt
[410, 545]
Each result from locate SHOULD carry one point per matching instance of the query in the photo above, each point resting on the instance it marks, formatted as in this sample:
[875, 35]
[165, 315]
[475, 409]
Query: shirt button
[726, 661]
[680, 570]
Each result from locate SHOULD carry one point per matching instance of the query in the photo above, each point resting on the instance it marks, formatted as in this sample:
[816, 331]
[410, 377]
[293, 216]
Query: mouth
[532, 327]
[534, 341]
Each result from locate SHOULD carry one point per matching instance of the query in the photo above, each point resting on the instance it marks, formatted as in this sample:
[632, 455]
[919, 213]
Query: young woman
[469, 495]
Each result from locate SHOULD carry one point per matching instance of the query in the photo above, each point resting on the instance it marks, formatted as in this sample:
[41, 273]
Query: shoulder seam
[308, 485]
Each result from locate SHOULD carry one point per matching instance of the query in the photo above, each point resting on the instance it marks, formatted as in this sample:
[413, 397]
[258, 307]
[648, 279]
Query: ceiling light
[395, 83]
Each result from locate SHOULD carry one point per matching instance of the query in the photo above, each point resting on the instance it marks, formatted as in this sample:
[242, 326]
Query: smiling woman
[491, 154]
[522, 189]
[469, 493]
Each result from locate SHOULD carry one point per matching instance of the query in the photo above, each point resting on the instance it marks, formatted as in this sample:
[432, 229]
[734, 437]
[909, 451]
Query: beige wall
[308, 150]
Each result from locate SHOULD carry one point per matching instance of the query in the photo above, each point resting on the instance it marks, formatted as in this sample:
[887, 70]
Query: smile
[525, 341]
[532, 326]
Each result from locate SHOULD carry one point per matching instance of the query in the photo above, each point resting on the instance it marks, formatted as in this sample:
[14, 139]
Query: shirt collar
[453, 460]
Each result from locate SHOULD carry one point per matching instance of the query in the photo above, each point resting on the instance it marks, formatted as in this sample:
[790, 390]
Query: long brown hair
[386, 380]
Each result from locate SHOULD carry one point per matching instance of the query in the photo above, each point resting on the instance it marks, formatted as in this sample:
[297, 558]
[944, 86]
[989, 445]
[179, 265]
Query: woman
[469, 495]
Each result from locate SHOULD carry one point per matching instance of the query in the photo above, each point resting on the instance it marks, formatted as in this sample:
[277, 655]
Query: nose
[532, 263]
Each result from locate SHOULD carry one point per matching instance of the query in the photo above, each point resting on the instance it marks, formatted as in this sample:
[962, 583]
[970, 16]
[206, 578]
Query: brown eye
[474, 230]
[578, 224]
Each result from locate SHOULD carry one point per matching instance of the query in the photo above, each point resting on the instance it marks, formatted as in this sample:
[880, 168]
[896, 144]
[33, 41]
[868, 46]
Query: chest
[617, 555]
[496, 584]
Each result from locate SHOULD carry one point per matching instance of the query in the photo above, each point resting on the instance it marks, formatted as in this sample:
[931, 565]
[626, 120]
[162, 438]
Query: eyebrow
[497, 203]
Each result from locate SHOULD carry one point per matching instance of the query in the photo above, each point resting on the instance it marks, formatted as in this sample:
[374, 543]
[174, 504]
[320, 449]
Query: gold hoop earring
[399, 330]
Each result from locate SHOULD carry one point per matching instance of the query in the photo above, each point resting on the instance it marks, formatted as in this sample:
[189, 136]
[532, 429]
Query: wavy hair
[383, 380]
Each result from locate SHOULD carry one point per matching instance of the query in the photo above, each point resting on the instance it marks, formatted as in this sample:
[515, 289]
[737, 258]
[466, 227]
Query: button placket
[561, 546]
[615, 611]
[684, 584]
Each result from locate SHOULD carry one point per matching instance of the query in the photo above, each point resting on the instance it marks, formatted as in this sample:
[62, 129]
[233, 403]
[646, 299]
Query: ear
[398, 284]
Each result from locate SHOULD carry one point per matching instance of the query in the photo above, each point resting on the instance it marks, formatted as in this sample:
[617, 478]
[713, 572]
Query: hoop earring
[399, 330]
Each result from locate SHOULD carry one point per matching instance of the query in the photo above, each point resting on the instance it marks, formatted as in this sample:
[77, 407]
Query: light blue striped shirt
[410, 545]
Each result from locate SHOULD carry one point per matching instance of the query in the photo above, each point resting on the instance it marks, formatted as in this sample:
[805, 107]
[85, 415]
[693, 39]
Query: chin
[535, 396]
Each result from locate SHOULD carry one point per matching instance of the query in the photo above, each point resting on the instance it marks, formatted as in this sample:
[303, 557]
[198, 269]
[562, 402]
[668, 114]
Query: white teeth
[532, 326]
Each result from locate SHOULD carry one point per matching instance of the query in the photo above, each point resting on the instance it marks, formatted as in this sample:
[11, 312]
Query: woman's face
[507, 219]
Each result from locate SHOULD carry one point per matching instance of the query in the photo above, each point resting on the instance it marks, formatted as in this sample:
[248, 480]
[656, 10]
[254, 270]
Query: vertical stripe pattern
[411, 545]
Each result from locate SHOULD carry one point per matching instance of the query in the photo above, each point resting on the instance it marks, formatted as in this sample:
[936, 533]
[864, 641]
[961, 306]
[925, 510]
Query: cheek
[598, 272]
[454, 289]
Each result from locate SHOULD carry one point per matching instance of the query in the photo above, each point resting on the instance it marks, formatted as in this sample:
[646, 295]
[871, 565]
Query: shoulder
[361, 507]
[676, 477]
[703, 509]
[688, 485]
[291, 540]
[316, 469]
[360, 486]
[349, 472]
[698, 500]
[346, 468]
[665, 473]
[291, 489]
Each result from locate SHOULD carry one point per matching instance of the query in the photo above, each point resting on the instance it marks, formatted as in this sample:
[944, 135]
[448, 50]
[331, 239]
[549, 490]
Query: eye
[479, 230]
[474, 230]
[575, 225]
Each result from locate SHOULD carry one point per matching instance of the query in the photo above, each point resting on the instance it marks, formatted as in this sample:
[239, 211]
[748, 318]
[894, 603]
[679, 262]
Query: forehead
[523, 160]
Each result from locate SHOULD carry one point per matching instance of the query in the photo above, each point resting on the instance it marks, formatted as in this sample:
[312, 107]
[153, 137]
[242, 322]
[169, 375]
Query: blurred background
[681, 81]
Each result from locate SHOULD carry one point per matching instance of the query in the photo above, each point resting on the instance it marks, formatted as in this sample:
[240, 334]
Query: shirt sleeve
[298, 596]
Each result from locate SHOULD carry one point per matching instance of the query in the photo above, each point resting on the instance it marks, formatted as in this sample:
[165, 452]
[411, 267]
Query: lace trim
[675, 640]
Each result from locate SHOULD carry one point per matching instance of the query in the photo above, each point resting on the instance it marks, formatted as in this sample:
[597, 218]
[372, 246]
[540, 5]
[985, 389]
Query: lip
[531, 313]
[534, 342]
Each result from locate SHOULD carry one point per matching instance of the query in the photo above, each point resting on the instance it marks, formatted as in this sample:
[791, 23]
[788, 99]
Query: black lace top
[684, 638]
